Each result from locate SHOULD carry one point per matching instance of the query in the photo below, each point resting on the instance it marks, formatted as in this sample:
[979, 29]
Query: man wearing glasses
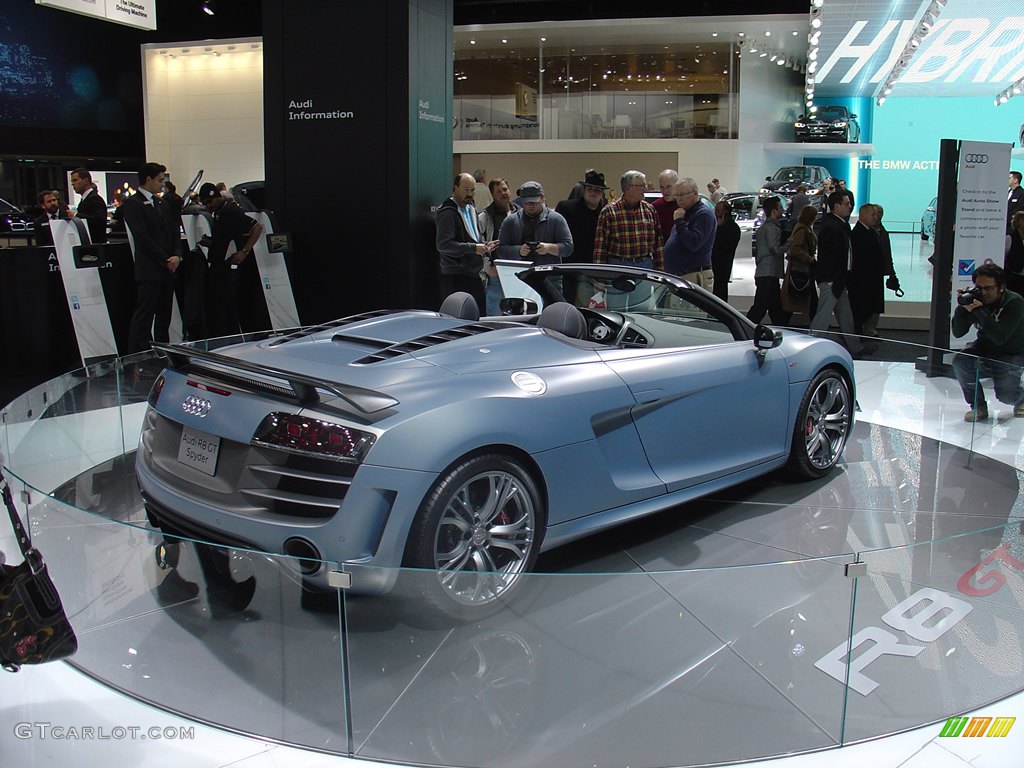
[688, 250]
[998, 352]
[627, 229]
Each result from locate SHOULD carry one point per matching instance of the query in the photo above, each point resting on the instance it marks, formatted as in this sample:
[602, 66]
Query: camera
[532, 245]
[965, 298]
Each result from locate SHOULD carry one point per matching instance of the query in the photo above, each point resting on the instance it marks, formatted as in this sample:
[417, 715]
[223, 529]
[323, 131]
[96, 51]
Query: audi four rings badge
[196, 406]
[976, 159]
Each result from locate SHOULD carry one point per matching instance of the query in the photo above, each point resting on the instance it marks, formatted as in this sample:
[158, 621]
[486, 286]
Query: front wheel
[475, 536]
[822, 425]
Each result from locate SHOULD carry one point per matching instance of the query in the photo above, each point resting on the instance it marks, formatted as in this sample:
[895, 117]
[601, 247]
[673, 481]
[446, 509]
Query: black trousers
[152, 317]
[471, 284]
[768, 298]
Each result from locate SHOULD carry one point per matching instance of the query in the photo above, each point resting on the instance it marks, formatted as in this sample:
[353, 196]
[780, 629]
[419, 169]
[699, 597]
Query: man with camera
[534, 232]
[998, 352]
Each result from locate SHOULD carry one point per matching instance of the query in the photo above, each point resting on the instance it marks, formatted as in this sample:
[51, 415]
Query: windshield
[793, 173]
[832, 114]
[639, 309]
[6, 207]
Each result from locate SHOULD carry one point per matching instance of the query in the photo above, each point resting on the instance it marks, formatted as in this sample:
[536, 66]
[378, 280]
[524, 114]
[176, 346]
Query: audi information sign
[980, 214]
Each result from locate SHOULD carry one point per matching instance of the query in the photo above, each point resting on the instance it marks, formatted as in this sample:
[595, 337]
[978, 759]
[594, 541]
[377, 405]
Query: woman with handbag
[798, 290]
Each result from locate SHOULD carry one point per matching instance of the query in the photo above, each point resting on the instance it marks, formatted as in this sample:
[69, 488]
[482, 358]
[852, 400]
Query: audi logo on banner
[980, 159]
[196, 406]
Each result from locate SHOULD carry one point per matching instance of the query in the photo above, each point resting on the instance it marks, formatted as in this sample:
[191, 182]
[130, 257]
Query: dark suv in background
[787, 179]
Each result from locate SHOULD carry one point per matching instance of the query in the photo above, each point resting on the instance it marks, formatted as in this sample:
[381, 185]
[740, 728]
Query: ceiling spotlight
[763, 54]
[881, 101]
[816, 22]
[817, 3]
[781, 62]
[208, 7]
[773, 57]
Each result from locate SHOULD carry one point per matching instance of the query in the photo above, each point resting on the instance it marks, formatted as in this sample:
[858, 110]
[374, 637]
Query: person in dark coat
[723, 250]
[153, 227]
[868, 272]
[92, 208]
[52, 210]
[1013, 263]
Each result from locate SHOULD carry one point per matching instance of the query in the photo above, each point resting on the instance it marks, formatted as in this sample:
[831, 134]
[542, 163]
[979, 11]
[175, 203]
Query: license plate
[199, 450]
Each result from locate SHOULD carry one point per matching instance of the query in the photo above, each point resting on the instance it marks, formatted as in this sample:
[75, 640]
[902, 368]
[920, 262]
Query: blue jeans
[1004, 371]
[494, 295]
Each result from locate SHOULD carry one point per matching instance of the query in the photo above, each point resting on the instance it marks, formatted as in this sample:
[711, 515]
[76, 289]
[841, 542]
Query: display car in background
[747, 210]
[465, 446]
[829, 123]
[786, 180]
[13, 220]
[928, 220]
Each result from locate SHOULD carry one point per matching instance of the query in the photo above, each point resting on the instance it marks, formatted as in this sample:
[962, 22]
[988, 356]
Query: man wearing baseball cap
[535, 232]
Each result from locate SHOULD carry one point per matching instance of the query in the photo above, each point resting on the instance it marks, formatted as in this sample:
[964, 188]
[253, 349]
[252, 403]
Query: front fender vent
[433, 340]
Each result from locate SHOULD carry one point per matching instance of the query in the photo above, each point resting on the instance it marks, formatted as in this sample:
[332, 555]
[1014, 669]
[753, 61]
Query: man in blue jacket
[688, 250]
[459, 243]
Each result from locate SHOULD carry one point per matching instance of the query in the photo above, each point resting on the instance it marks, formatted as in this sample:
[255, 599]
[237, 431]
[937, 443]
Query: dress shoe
[1018, 410]
[174, 589]
[979, 414]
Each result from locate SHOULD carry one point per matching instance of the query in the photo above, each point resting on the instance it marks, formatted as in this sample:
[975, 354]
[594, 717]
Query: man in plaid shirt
[627, 229]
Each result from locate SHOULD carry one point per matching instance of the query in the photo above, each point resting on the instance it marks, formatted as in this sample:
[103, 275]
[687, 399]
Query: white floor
[37, 701]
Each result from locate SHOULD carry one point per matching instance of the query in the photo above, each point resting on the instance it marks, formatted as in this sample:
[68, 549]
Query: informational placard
[88, 306]
[980, 215]
[133, 13]
[277, 288]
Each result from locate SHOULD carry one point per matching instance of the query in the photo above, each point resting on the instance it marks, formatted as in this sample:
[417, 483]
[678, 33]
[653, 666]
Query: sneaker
[1018, 410]
[979, 414]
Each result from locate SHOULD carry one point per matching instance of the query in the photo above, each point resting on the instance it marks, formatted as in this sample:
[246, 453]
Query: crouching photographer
[998, 352]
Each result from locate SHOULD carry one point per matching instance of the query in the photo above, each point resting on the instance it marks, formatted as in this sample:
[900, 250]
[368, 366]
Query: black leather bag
[33, 626]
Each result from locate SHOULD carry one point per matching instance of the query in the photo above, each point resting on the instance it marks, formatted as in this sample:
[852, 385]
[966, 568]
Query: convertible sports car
[465, 446]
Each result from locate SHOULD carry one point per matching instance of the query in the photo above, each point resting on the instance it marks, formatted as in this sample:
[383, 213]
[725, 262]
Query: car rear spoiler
[305, 388]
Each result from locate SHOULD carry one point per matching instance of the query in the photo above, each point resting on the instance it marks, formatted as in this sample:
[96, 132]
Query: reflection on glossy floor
[616, 658]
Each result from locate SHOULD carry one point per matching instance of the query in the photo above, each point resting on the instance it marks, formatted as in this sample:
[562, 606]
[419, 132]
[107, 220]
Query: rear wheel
[477, 534]
[822, 425]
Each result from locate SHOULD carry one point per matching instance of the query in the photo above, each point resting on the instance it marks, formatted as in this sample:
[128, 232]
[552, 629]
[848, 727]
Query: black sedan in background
[827, 124]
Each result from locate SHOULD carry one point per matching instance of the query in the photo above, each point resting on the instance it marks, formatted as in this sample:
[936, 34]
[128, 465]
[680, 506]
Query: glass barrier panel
[641, 669]
[938, 632]
[218, 635]
[68, 424]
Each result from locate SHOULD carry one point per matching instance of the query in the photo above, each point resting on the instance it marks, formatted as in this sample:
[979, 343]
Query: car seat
[461, 306]
[564, 318]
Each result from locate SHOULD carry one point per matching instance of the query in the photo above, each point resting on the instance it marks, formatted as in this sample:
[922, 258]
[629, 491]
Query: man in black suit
[1014, 199]
[92, 208]
[153, 228]
[832, 272]
[52, 209]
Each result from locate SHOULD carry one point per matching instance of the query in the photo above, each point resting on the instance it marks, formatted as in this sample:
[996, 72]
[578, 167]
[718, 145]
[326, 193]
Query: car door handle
[649, 395]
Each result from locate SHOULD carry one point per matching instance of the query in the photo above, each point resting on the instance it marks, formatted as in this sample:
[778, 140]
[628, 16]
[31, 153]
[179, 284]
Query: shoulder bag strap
[24, 543]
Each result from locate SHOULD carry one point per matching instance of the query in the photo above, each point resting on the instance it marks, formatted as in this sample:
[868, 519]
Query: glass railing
[714, 632]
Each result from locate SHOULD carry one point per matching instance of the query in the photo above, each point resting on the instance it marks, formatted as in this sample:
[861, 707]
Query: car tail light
[154, 393]
[303, 434]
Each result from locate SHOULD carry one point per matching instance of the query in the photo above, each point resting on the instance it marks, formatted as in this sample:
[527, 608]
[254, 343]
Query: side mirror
[767, 178]
[852, 117]
[518, 307]
[766, 338]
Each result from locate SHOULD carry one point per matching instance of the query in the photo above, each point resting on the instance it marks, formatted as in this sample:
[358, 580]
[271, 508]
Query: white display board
[277, 288]
[512, 286]
[86, 302]
[980, 231]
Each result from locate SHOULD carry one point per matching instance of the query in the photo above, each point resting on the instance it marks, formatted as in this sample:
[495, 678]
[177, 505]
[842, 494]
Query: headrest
[564, 318]
[461, 306]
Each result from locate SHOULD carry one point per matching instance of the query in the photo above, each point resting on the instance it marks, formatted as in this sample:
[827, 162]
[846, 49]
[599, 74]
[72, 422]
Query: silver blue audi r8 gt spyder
[465, 445]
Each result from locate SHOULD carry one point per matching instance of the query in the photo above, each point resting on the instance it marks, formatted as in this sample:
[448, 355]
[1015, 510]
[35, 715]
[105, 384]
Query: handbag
[33, 626]
[893, 284]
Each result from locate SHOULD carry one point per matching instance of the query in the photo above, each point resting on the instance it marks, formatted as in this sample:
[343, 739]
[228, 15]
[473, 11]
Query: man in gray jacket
[535, 232]
[770, 267]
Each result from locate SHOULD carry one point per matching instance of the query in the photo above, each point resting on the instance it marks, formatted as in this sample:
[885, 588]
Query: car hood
[401, 347]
